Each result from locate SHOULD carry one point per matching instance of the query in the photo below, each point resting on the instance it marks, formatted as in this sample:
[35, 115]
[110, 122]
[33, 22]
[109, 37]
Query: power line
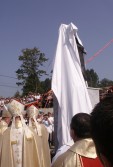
[7, 83]
[101, 50]
[9, 86]
[7, 76]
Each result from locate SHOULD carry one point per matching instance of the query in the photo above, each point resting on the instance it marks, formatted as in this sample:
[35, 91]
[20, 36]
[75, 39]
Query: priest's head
[17, 111]
[32, 111]
[16, 108]
[80, 127]
[6, 116]
[102, 129]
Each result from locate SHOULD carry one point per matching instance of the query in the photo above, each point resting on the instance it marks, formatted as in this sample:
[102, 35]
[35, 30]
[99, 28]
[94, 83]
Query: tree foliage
[92, 78]
[17, 94]
[105, 82]
[31, 70]
[46, 85]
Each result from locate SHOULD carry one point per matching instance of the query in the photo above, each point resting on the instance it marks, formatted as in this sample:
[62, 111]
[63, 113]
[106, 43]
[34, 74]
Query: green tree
[105, 82]
[46, 85]
[92, 78]
[17, 94]
[31, 69]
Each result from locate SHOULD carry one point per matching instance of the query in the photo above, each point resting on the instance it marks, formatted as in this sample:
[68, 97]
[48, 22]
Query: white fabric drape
[68, 83]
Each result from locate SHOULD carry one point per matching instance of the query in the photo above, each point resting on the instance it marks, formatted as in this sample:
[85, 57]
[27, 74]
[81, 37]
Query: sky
[35, 23]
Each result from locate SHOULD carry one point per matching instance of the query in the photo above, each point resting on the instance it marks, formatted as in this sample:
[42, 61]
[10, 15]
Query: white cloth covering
[68, 83]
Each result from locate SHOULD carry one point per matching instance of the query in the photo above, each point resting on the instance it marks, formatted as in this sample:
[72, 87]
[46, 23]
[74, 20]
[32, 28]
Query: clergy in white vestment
[62, 150]
[19, 146]
[42, 133]
[68, 82]
[6, 118]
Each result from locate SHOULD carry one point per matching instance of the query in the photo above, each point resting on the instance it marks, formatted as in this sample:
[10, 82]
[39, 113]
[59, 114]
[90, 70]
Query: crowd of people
[26, 135]
[40, 100]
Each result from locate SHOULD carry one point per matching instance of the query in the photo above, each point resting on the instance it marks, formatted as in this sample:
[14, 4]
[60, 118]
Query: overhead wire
[7, 76]
[9, 86]
[98, 53]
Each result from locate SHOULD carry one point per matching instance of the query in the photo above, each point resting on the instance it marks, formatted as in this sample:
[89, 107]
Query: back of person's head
[102, 127]
[80, 124]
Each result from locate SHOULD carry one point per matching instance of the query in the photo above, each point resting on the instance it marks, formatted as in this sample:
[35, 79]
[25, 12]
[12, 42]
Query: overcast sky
[30, 23]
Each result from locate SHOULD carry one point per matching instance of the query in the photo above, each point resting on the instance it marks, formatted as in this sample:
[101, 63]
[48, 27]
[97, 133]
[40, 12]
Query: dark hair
[102, 127]
[80, 123]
